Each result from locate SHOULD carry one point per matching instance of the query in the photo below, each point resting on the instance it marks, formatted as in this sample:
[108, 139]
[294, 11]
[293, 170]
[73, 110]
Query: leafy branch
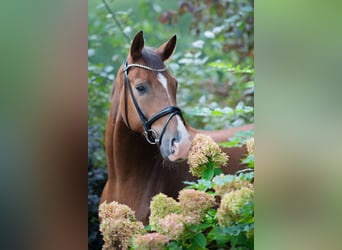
[116, 20]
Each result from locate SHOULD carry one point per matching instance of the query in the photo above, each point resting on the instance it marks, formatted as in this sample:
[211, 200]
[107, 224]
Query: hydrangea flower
[150, 241]
[194, 204]
[229, 186]
[172, 225]
[203, 153]
[250, 146]
[118, 225]
[231, 203]
[160, 206]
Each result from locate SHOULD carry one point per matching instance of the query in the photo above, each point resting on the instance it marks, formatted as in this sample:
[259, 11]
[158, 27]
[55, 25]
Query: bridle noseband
[150, 134]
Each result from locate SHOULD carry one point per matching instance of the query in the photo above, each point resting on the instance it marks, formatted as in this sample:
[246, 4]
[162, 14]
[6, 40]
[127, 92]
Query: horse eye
[141, 89]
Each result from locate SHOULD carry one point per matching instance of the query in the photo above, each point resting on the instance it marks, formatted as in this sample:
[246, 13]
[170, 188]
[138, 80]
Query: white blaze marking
[163, 81]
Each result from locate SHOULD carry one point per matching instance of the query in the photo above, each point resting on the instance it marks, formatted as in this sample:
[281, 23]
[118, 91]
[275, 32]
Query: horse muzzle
[176, 143]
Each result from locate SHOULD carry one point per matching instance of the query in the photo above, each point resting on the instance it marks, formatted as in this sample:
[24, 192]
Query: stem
[116, 20]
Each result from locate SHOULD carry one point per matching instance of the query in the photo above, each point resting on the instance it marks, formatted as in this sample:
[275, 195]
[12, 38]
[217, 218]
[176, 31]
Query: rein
[150, 134]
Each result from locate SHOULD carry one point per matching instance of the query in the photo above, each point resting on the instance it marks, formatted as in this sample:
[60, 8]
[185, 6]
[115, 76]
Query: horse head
[148, 98]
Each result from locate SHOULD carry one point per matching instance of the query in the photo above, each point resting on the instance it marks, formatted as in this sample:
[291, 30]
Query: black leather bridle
[150, 134]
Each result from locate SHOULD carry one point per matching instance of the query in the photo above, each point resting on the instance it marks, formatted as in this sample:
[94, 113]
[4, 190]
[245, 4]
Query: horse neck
[134, 157]
[127, 152]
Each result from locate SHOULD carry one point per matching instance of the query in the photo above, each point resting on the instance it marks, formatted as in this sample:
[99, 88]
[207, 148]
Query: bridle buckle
[151, 136]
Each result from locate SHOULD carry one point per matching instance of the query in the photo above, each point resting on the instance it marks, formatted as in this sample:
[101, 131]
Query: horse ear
[137, 45]
[167, 49]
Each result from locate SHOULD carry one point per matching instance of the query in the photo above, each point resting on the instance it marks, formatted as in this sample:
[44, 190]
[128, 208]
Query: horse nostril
[172, 148]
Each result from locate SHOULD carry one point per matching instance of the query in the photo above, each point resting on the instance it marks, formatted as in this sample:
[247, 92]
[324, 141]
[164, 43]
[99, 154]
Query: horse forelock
[152, 59]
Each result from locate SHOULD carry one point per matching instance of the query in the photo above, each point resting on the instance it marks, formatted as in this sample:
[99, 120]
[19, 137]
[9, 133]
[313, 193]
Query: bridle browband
[150, 134]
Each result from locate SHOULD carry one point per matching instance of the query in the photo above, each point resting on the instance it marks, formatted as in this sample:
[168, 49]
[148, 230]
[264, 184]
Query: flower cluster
[174, 221]
[160, 206]
[203, 153]
[118, 225]
[250, 146]
[194, 204]
[150, 241]
[227, 187]
[231, 204]
[170, 217]
[172, 225]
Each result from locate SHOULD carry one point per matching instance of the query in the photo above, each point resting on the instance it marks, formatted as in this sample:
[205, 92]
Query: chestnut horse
[147, 139]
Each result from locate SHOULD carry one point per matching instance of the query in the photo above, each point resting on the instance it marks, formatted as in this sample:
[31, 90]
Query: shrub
[118, 225]
[220, 215]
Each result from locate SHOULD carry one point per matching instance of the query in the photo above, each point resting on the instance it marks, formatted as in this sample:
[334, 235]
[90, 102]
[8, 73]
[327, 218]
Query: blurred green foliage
[213, 61]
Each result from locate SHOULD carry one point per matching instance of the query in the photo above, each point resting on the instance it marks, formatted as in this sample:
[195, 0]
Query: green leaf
[218, 171]
[220, 180]
[240, 137]
[233, 142]
[216, 112]
[190, 184]
[203, 226]
[234, 240]
[248, 176]
[173, 245]
[250, 84]
[199, 240]
[249, 160]
[217, 64]
[208, 174]
[218, 235]
[237, 229]
[203, 185]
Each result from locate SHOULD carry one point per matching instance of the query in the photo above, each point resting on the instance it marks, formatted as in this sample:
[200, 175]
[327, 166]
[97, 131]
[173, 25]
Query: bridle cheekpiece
[150, 134]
